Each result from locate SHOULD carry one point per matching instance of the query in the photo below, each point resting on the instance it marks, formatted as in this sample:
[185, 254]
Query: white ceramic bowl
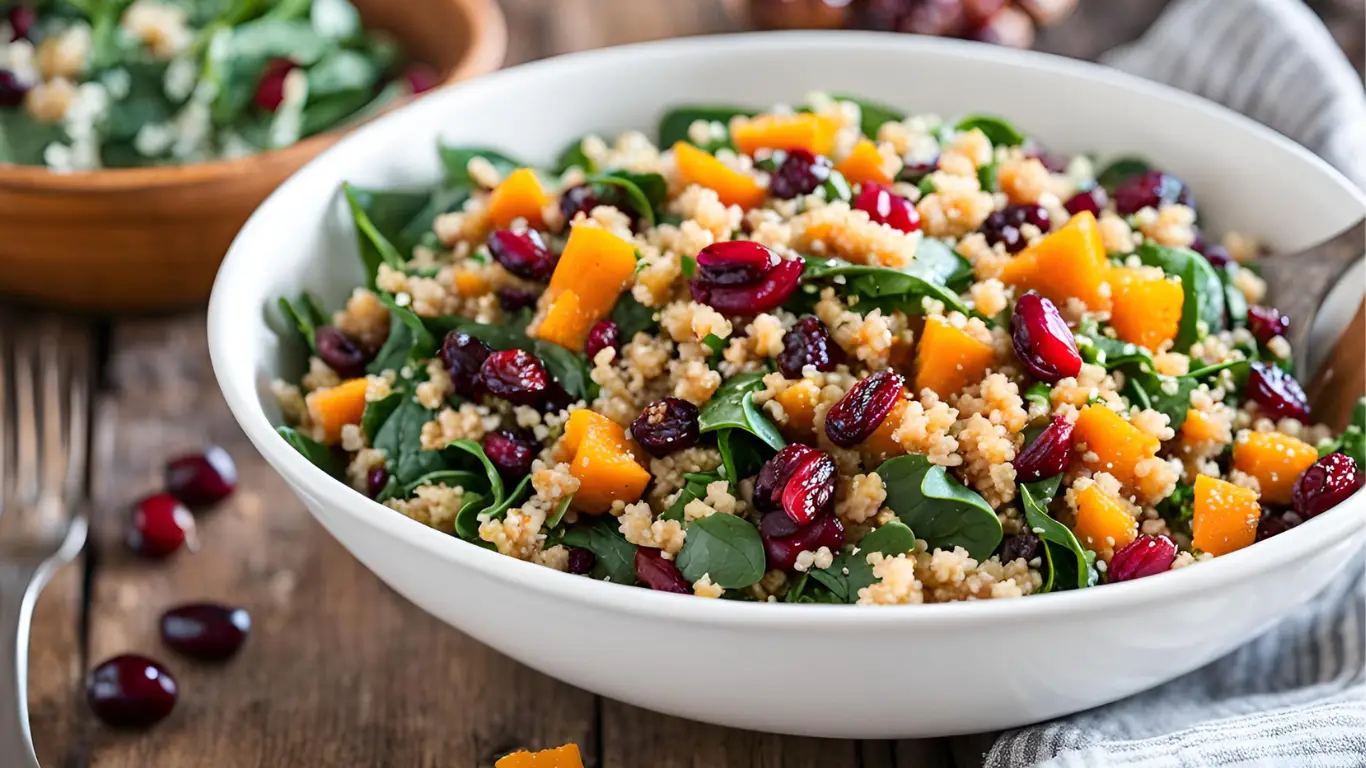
[837, 671]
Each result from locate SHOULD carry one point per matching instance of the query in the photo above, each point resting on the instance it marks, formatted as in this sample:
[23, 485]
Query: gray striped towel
[1297, 695]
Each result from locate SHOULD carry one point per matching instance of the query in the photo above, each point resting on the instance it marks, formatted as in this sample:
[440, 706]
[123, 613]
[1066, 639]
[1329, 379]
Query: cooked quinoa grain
[876, 409]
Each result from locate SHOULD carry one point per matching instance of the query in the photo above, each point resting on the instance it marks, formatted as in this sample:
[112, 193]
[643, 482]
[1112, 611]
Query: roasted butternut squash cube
[559, 757]
[947, 358]
[334, 407]
[804, 130]
[732, 186]
[799, 403]
[864, 163]
[1276, 460]
[1103, 522]
[1145, 309]
[1068, 263]
[588, 280]
[1112, 444]
[519, 196]
[1226, 516]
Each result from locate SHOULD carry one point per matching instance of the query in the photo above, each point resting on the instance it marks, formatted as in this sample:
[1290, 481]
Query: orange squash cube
[799, 403]
[948, 359]
[1068, 263]
[1276, 460]
[804, 130]
[880, 445]
[732, 186]
[1103, 522]
[519, 196]
[588, 280]
[334, 407]
[1144, 310]
[559, 757]
[1226, 516]
[602, 460]
[1117, 445]
[1199, 426]
[863, 164]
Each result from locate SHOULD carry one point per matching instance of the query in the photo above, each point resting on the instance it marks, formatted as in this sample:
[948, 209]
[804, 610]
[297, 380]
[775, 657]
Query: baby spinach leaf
[1067, 564]
[400, 437]
[424, 342]
[986, 177]
[375, 246]
[317, 454]
[456, 161]
[726, 547]
[269, 38]
[632, 317]
[694, 487]
[616, 557]
[673, 126]
[1235, 303]
[397, 349]
[998, 130]
[557, 514]
[742, 454]
[342, 71]
[872, 114]
[643, 193]
[937, 262]
[467, 519]
[443, 200]
[938, 508]
[377, 412]
[904, 286]
[573, 156]
[495, 480]
[715, 343]
[850, 571]
[732, 407]
[837, 187]
[1172, 395]
[1121, 169]
[1040, 393]
[305, 315]
[1202, 309]
[1109, 353]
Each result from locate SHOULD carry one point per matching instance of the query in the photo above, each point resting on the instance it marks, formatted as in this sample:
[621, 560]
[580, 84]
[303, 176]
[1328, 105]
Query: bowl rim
[487, 49]
[242, 395]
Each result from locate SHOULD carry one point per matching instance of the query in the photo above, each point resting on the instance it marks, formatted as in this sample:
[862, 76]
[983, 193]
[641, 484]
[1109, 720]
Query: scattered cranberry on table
[131, 691]
[205, 631]
[200, 479]
[1003, 22]
[160, 525]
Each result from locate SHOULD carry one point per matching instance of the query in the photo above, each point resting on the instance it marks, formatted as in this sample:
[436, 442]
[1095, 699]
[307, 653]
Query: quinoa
[682, 387]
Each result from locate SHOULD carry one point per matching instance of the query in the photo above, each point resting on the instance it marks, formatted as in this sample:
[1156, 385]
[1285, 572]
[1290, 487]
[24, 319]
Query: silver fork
[45, 377]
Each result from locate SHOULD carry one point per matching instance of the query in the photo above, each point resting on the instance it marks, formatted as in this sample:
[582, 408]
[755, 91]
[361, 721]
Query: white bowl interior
[1244, 176]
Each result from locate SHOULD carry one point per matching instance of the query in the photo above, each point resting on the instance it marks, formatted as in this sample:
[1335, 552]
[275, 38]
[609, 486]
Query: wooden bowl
[151, 238]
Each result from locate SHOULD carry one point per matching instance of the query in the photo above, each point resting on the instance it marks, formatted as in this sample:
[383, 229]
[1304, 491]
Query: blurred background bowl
[152, 238]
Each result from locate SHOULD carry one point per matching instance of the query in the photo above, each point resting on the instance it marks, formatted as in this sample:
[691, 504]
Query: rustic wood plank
[339, 670]
[56, 670]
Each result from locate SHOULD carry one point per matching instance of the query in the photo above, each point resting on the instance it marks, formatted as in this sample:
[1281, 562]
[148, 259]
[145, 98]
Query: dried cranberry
[578, 199]
[510, 451]
[522, 253]
[581, 560]
[1022, 546]
[341, 354]
[130, 691]
[602, 335]
[1266, 323]
[515, 375]
[200, 479]
[270, 91]
[810, 490]
[735, 262]
[160, 525]
[556, 398]
[1326, 484]
[1093, 200]
[1042, 340]
[463, 356]
[915, 172]
[773, 476]
[1151, 189]
[1276, 392]
[21, 20]
[1276, 523]
[885, 207]
[1004, 226]
[801, 173]
[421, 78]
[767, 294]
[1216, 254]
[12, 89]
[858, 414]
[1048, 455]
[205, 631]
[777, 525]
[808, 343]
[825, 531]
[1054, 162]
[514, 299]
[1144, 556]
[658, 573]
[667, 426]
[375, 481]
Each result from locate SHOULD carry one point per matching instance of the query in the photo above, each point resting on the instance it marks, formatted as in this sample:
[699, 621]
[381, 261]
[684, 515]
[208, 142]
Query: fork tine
[78, 355]
[53, 451]
[26, 421]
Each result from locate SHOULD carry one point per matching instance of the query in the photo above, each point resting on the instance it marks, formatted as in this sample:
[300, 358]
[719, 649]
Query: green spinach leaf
[850, 570]
[732, 407]
[673, 126]
[1120, 170]
[904, 287]
[694, 487]
[1352, 441]
[317, 454]
[375, 246]
[400, 437]
[305, 315]
[938, 508]
[456, 161]
[643, 193]
[998, 130]
[632, 317]
[1202, 310]
[377, 412]
[495, 480]
[1067, 561]
[726, 547]
[616, 557]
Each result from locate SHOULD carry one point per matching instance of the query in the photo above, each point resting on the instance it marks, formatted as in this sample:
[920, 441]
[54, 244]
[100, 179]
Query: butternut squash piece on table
[602, 460]
[588, 280]
[1276, 460]
[1226, 516]
[519, 196]
[334, 407]
[703, 169]
[1117, 445]
[864, 163]
[559, 757]
[880, 445]
[804, 130]
[1065, 264]
[1103, 522]
[1145, 309]
[948, 359]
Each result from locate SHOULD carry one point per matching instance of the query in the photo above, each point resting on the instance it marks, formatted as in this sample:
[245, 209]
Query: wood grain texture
[150, 238]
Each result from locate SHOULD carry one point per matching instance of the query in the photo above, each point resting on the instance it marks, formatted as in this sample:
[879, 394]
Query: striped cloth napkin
[1297, 695]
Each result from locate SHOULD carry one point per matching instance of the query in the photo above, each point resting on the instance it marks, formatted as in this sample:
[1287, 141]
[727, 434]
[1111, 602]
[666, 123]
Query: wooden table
[340, 671]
